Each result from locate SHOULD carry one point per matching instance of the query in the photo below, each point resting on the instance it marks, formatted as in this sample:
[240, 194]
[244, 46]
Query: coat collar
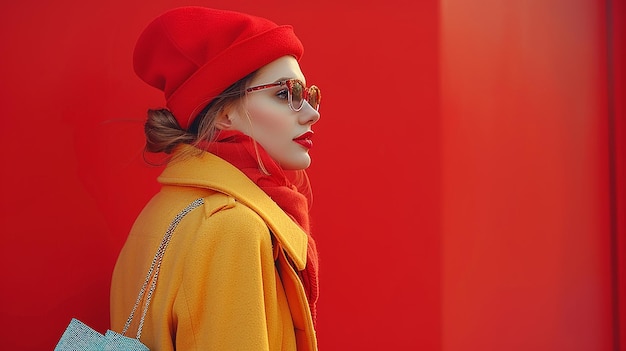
[198, 171]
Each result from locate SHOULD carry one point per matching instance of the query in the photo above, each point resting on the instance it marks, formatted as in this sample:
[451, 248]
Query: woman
[240, 269]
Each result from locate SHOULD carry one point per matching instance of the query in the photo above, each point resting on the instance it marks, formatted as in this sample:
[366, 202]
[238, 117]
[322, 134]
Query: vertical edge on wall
[619, 89]
[617, 141]
[612, 175]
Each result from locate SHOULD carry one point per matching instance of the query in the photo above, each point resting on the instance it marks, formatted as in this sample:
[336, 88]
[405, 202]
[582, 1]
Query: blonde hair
[163, 132]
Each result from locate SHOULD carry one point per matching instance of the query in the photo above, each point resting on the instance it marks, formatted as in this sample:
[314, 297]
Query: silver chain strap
[155, 268]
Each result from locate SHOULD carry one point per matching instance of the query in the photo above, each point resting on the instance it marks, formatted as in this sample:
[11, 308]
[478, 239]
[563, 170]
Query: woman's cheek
[271, 118]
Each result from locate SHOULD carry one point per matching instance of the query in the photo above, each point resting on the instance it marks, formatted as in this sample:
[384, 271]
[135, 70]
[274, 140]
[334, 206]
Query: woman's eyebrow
[282, 79]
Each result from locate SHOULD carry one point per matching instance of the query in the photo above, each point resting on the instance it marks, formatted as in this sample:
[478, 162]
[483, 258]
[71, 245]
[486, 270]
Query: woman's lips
[305, 140]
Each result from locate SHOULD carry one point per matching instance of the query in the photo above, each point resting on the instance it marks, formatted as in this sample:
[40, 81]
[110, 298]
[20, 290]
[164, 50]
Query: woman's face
[285, 134]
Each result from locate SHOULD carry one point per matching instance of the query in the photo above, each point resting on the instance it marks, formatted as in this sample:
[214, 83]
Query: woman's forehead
[286, 67]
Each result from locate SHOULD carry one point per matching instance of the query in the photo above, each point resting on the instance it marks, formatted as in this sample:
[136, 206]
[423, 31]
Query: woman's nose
[308, 115]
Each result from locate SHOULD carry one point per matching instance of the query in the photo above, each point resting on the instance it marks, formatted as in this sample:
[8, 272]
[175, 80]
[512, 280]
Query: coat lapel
[199, 172]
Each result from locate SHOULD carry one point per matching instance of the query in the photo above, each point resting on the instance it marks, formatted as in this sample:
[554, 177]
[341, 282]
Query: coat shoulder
[227, 221]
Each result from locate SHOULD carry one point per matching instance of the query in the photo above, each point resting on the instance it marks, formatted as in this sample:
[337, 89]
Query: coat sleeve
[228, 291]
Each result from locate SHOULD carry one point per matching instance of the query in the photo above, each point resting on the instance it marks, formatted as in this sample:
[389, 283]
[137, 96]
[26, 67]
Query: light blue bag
[80, 337]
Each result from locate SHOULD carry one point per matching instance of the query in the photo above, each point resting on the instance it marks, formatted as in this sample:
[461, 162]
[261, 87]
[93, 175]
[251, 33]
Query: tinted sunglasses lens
[296, 90]
[314, 97]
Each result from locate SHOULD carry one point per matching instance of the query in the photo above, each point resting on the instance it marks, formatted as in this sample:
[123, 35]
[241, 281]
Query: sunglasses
[297, 93]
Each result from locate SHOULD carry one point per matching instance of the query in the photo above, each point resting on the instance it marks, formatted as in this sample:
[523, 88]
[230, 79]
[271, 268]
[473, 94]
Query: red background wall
[462, 168]
[527, 224]
[73, 177]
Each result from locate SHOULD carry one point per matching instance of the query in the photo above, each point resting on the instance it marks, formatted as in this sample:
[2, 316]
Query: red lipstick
[305, 140]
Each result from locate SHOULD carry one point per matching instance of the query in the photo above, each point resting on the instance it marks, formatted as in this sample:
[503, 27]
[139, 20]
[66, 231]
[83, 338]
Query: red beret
[194, 53]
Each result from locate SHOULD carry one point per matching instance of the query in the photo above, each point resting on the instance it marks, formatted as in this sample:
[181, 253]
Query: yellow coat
[227, 280]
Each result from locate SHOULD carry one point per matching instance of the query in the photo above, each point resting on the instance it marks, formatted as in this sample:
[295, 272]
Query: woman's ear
[223, 120]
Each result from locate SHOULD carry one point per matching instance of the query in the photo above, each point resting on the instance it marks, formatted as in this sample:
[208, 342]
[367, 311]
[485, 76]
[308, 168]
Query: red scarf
[239, 150]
